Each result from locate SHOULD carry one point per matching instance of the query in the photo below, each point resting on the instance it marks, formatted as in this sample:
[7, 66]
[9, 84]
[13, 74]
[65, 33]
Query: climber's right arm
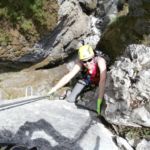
[64, 80]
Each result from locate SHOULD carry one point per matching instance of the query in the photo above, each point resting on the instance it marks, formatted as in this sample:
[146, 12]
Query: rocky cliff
[120, 29]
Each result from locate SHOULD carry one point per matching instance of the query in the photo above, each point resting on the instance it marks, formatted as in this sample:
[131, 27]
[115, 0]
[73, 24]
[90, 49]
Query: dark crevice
[107, 124]
[58, 62]
[13, 66]
[85, 9]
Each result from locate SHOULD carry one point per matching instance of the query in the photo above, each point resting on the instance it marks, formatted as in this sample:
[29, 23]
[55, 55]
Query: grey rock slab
[26, 124]
[57, 124]
[143, 145]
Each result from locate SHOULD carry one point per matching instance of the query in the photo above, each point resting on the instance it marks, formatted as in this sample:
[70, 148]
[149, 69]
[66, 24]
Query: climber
[94, 72]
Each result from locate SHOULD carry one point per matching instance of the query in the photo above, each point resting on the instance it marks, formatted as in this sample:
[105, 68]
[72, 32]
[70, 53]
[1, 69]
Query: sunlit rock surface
[27, 83]
[127, 93]
[57, 125]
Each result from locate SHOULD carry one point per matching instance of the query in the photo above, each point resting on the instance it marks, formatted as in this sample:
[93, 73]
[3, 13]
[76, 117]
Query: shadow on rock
[41, 135]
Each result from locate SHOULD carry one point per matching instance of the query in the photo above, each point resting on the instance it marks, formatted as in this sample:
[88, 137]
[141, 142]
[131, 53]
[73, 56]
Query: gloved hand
[98, 109]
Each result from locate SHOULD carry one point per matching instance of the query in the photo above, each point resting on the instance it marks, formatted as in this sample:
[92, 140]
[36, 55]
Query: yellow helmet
[85, 52]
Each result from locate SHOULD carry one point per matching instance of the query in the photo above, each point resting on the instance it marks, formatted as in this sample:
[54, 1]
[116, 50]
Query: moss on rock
[125, 30]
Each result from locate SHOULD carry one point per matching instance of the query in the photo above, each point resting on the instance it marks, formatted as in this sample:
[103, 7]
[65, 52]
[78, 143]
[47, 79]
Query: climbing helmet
[85, 52]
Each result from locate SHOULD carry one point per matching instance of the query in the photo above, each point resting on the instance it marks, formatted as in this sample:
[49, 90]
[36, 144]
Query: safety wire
[22, 102]
[34, 99]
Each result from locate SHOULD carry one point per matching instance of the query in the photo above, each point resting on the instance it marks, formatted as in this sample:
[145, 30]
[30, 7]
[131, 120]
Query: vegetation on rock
[125, 30]
[30, 19]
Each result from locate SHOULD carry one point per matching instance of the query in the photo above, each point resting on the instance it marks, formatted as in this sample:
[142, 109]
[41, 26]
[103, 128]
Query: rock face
[56, 125]
[17, 36]
[73, 25]
[26, 83]
[78, 21]
[132, 26]
[128, 88]
[143, 145]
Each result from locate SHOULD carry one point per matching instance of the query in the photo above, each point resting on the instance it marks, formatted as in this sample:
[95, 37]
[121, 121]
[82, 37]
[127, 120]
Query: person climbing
[94, 72]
